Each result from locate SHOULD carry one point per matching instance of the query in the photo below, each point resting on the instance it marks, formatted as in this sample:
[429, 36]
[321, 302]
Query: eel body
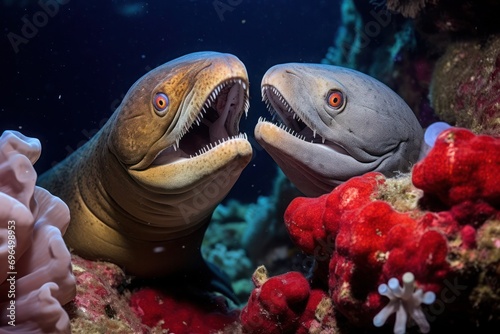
[335, 123]
[141, 192]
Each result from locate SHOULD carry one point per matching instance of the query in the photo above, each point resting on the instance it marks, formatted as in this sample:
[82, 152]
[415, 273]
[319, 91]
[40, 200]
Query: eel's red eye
[336, 99]
[160, 102]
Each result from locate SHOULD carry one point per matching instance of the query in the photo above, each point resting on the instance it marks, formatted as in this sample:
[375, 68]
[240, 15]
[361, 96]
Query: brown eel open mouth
[216, 122]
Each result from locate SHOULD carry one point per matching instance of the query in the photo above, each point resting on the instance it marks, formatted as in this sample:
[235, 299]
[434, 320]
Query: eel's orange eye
[160, 102]
[336, 99]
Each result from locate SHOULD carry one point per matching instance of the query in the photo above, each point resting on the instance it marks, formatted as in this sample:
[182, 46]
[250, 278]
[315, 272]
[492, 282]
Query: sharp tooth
[314, 133]
[322, 140]
[247, 106]
[244, 84]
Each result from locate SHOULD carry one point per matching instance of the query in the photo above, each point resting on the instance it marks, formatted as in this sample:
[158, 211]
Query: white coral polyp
[404, 301]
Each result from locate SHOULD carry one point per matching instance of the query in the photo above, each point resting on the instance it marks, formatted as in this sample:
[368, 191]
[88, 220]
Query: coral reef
[465, 85]
[35, 267]
[372, 229]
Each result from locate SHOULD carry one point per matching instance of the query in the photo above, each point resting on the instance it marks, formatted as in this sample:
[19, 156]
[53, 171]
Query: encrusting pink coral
[35, 267]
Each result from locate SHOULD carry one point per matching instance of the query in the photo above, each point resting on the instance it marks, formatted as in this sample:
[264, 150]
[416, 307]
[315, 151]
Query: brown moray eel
[141, 192]
[335, 123]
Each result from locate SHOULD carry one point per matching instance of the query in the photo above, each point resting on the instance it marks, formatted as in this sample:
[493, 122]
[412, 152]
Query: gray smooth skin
[142, 191]
[374, 130]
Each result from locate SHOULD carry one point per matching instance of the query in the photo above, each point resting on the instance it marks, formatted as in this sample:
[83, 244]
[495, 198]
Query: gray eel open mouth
[288, 119]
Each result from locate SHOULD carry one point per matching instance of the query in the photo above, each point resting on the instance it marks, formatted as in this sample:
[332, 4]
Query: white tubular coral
[404, 301]
[35, 264]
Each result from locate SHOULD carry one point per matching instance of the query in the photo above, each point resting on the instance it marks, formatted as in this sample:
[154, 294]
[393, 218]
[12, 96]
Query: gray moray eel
[335, 123]
[142, 191]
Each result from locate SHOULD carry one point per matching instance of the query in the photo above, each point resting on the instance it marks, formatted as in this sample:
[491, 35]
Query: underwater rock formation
[35, 265]
[101, 303]
[372, 229]
[408, 8]
[371, 40]
[465, 85]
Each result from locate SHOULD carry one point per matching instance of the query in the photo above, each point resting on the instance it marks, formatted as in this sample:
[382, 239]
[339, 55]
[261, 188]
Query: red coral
[286, 304]
[372, 242]
[461, 167]
[306, 226]
[277, 305]
[180, 315]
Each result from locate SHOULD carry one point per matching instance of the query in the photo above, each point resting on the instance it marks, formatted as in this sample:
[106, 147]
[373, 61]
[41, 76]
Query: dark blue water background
[66, 79]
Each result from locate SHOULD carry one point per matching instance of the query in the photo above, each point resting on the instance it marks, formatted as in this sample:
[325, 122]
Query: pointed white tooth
[322, 140]
[314, 133]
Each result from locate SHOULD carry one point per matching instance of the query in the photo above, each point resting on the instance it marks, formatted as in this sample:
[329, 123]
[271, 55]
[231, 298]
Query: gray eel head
[177, 129]
[335, 123]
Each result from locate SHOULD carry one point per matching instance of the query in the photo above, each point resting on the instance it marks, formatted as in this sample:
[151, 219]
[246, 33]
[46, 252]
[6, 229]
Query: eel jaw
[292, 121]
[206, 144]
[210, 125]
[314, 164]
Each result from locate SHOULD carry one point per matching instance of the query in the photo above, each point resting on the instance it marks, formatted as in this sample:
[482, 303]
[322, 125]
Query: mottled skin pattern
[134, 199]
[372, 130]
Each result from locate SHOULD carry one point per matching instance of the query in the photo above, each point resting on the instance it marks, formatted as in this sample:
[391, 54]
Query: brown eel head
[177, 134]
